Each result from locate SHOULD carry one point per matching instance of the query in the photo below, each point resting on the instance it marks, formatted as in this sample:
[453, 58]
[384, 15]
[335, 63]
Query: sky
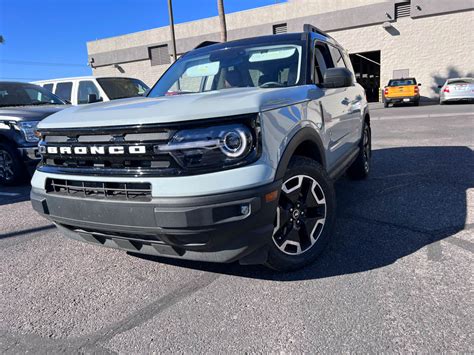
[46, 39]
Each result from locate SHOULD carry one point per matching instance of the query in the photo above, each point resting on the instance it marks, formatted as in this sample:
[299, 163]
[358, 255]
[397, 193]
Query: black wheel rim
[301, 215]
[6, 165]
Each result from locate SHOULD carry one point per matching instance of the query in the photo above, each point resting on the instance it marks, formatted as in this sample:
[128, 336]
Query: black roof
[284, 37]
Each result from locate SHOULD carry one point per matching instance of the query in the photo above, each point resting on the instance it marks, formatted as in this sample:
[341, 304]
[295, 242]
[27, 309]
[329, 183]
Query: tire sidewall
[282, 261]
[18, 168]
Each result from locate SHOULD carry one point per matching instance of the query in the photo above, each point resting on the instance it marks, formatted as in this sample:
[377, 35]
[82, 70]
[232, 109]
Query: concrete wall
[433, 44]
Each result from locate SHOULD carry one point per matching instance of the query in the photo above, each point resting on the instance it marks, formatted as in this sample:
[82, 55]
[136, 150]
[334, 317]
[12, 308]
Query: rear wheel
[360, 168]
[385, 104]
[304, 218]
[417, 103]
[12, 170]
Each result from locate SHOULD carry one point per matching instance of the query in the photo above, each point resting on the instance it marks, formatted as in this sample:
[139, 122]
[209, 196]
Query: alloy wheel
[6, 165]
[301, 215]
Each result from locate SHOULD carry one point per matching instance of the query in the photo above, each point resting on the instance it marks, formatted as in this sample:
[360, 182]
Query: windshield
[265, 66]
[402, 82]
[24, 94]
[120, 88]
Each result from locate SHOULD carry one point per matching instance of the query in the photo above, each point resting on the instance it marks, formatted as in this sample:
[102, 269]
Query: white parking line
[11, 194]
[428, 115]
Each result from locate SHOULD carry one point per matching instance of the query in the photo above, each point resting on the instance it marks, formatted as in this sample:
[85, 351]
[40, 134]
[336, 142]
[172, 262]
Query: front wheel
[304, 218]
[12, 170]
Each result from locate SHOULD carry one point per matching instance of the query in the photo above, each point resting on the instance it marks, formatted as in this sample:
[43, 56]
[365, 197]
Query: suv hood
[179, 108]
[29, 113]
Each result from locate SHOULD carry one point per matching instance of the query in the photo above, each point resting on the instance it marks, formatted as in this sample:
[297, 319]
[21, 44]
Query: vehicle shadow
[415, 197]
[14, 194]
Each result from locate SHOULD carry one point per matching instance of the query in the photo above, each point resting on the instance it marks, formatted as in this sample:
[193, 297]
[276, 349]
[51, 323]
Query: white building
[427, 39]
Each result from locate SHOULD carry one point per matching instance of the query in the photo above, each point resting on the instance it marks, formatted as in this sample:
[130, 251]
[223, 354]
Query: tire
[360, 168]
[12, 170]
[417, 103]
[305, 216]
[385, 104]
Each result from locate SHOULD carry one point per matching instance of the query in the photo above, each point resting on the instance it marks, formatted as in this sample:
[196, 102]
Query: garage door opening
[367, 69]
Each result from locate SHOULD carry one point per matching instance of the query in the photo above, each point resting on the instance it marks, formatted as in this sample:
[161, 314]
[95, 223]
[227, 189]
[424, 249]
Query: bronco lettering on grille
[94, 150]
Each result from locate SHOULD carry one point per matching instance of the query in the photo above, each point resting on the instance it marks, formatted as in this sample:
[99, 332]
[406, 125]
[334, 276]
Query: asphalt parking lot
[397, 276]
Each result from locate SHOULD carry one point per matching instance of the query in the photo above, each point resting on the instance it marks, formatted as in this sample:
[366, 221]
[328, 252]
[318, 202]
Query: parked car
[22, 106]
[232, 156]
[402, 91]
[89, 89]
[456, 90]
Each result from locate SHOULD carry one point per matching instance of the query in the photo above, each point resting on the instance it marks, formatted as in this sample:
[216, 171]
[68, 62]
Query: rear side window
[63, 90]
[48, 87]
[85, 89]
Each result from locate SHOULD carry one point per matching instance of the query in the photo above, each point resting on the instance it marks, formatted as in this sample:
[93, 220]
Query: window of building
[48, 87]
[85, 89]
[63, 90]
[280, 28]
[159, 55]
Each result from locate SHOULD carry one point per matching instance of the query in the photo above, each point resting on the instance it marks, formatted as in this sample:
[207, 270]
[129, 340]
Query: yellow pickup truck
[402, 91]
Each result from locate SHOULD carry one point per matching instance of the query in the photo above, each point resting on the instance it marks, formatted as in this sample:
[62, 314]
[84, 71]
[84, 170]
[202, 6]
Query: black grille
[148, 162]
[281, 28]
[100, 190]
[93, 150]
[402, 9]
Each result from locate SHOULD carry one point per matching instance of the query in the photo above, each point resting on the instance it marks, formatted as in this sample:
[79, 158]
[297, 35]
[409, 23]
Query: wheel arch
[306, 143]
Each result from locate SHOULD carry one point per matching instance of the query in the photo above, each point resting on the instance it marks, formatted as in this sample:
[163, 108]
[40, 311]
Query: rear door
[85, 88]
[64, 90]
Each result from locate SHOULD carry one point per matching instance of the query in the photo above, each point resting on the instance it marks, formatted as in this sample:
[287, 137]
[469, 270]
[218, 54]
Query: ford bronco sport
[232, 156]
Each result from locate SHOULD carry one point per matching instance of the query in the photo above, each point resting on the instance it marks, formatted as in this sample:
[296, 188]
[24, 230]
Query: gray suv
[232, 156]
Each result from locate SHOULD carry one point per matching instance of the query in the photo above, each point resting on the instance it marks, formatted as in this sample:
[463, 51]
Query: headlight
[29, 130]
[214, 147]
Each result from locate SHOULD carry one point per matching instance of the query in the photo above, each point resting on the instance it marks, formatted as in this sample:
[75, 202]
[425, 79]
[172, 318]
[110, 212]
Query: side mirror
[91, 98]
[338, 78]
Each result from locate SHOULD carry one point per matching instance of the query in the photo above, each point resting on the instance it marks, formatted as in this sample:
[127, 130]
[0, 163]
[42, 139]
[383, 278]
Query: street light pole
[220, 8]
[173, 39]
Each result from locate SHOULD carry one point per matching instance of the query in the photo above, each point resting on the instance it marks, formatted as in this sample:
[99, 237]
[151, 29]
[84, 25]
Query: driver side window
[322, 62]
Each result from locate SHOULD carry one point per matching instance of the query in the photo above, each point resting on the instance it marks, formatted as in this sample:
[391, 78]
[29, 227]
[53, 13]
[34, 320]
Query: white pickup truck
[89, 89]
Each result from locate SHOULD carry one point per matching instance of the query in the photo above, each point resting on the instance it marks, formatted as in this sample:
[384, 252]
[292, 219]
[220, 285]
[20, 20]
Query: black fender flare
[306, 134]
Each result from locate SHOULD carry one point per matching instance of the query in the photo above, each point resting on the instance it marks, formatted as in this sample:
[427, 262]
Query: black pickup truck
[22, 106]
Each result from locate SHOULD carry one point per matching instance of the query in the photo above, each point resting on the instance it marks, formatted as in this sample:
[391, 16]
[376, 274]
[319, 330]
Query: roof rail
[205, 44]
[310, 28]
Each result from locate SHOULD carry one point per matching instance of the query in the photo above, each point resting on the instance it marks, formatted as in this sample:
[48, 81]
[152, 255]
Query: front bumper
[219, 228]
